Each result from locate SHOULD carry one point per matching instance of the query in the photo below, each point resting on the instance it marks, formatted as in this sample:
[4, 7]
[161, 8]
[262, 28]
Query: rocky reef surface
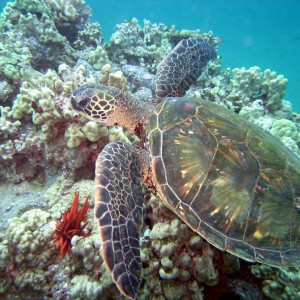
[47, 153]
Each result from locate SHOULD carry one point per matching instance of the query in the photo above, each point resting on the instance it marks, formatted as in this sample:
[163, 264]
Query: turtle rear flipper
[119, 212]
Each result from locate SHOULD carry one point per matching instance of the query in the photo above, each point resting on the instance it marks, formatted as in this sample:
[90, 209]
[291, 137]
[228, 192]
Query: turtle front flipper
[119, 212]
[182, 66]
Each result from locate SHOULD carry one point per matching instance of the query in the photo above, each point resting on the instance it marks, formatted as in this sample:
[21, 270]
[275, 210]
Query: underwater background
[254, 33]
[49, 241]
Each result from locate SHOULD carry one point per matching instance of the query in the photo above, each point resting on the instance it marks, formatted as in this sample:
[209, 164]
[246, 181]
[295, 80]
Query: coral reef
[49, 48]
[25, 252]
[278, 283]
[251, 84]
[44, 34]
[145, 47]
[175, 255]
[40, 42]
[111, 78]
[42, 107]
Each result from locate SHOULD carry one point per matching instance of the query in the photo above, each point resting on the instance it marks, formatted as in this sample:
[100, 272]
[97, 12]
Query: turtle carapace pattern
[227, 179]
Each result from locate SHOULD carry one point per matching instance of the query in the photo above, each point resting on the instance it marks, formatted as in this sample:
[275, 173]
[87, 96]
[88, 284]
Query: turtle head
[110, 106]
[96, 102]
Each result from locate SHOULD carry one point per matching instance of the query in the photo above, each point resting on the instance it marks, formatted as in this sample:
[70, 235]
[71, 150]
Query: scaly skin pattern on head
[121, 169]
[110, 106]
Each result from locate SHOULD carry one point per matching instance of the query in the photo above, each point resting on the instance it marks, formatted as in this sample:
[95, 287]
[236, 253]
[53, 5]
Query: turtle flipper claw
[119, 212]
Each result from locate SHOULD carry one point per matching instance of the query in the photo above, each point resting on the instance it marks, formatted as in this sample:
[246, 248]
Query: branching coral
[71, 225]
[147, 46]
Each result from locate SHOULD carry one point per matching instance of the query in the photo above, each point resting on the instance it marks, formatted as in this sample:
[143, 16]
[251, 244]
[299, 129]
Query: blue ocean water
[255, 33]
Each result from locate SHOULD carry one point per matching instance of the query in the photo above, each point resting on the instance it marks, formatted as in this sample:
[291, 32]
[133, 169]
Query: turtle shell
[231, 182]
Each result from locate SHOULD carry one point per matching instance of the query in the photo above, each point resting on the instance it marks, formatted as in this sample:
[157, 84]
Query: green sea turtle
[228, 180]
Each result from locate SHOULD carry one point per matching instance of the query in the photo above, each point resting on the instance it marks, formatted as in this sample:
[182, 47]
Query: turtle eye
[84, 102]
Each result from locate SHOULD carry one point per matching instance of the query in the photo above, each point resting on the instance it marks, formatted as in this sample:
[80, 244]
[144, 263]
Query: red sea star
[70, 226]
